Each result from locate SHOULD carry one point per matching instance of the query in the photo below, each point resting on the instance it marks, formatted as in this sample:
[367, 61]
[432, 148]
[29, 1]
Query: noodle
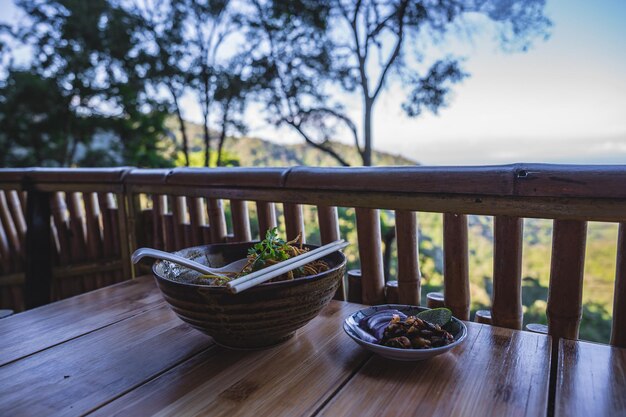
[270, 251]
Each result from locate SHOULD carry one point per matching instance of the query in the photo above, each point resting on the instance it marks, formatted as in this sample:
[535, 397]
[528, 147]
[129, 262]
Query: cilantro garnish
[271, 248]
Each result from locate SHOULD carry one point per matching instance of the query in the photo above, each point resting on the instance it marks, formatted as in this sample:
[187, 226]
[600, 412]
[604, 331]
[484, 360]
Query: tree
[163, 47]
[372, 43]
[85, 56]
[231, 95]
[291, 49]
[210, 23]
[36, 111]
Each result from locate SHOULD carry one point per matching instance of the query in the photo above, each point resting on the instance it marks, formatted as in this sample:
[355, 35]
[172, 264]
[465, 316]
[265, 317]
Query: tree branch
[396, 51]
[319, 146]
[349, 123]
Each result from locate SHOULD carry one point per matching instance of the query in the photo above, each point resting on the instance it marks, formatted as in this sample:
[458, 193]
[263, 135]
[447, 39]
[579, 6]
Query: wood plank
[159, 203]
[456, 265]
[34, 330]
[507, 272]
[5, 251]
[294, 221]
[119, 238]
[83, 373]
[94, 239]
[18, 213]
[61, 224]
[179, 212]
[409, 277]
[328, 221]
[38, 273]
[354, 286]
[565, 294]
[241, 220]
[618, 332]
[276, 381]
[497, 180]
[606, 209]
[196, 218]
[10, 227]
[266, 214]
[591, 380]
[370, 256]
[124, 243]
[495, 372]
[217, 221]
[78, 243]
[167, 220]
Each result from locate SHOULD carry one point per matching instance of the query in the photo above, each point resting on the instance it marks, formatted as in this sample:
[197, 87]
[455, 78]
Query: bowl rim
[221, 288]
[431, 351]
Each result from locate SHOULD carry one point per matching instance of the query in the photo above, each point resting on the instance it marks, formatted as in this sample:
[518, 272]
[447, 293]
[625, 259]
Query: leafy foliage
[363, 47]
[86, 62]
[271, 248]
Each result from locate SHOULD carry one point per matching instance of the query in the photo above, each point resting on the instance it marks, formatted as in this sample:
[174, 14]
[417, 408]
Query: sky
[563, 101]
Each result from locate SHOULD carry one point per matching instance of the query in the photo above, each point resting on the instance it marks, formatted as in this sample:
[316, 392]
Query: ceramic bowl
[351, 322]
[261, 316]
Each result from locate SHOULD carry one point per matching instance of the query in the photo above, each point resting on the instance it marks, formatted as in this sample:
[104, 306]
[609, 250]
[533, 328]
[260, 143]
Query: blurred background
[164, 83]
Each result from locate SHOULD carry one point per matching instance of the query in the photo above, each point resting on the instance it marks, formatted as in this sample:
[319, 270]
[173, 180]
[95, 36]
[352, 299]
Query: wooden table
[591, 380]
[121, 351]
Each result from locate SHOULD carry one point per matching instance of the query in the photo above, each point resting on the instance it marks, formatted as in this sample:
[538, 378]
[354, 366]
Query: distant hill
[258, 152]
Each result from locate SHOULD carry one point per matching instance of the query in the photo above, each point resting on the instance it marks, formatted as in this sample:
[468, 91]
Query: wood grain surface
[76, 376]
[565, 294]
[495, 372]
[120, 351]
[591, 380]
[507, 272]
[35, 330]
[618, 332]
[456, 265]
[292, 379]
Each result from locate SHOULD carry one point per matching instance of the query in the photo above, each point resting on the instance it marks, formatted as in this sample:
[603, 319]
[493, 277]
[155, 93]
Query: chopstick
[240, 284]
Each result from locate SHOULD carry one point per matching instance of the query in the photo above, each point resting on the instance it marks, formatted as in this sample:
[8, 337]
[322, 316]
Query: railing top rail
[78, 175]
[517, 180]
[13, 175]
[230, 177]
[521, 180]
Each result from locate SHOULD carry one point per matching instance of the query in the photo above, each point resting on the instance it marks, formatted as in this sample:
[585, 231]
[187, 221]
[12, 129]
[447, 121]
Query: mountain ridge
[253, 151]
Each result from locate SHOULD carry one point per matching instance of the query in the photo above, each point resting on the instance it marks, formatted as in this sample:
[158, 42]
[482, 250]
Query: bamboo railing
[171, 209]
[76, 238]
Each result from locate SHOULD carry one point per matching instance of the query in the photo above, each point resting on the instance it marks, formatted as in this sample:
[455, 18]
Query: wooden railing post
[328, 221]
[507, 272]
[38, 268]
[370, 255]
[135, 225]
[294, 222]
[217, 221]
[408, 258]
[196, 218]
[355, 288]
[618, 332]
[456, 265]
[566, 278]
[241, 220]
[266, 215]
[10, 229]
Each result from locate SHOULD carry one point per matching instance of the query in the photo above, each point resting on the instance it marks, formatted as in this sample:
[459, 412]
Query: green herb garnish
[440, 316]
[271, 248]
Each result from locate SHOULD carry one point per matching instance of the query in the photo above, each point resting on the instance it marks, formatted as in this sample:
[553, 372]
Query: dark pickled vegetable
[414, 333]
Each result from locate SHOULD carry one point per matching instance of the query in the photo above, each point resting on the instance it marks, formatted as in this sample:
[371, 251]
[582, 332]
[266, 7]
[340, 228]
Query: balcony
[98, 216]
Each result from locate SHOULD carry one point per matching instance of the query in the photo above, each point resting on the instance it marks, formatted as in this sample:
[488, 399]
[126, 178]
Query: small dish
[351, 323]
